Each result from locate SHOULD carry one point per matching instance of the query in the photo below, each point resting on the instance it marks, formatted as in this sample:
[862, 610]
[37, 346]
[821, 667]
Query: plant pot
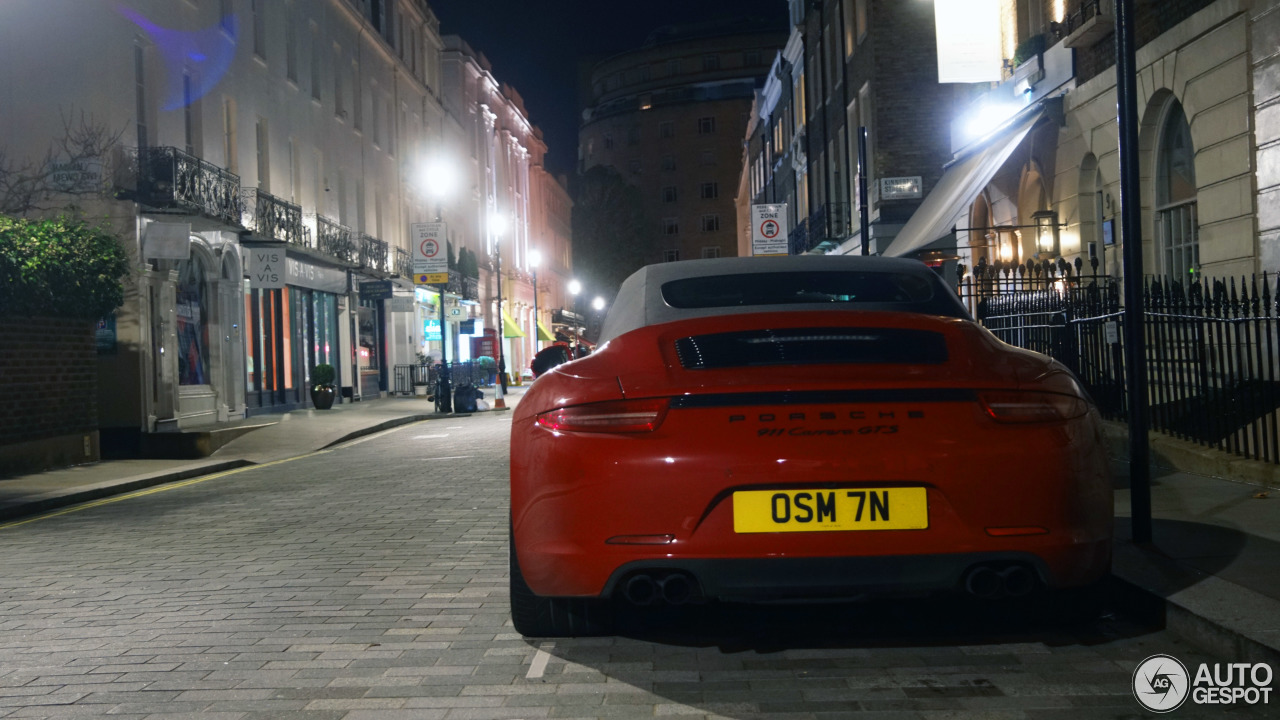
[322, 397]
[420, 390]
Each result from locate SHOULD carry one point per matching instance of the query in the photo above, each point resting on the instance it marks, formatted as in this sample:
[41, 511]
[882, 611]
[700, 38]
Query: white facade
[326, 110]
[506, 203]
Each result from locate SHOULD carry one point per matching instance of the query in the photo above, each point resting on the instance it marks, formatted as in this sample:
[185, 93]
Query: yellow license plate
[759, 511]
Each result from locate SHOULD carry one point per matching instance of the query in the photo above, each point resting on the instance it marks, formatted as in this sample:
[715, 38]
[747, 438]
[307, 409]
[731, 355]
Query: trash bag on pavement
[464, 398]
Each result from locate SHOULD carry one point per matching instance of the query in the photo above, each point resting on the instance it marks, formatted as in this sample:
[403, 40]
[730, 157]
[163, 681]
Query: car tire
[538, 616]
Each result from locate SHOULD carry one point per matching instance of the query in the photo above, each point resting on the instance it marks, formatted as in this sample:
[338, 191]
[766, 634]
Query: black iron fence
[1213, 345]
[408, 376]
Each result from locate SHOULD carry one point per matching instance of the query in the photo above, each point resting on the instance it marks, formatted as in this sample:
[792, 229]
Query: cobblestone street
[370, 581]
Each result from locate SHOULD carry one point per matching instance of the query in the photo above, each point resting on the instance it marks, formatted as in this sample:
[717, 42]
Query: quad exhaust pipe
[674, 589]
[987, 582]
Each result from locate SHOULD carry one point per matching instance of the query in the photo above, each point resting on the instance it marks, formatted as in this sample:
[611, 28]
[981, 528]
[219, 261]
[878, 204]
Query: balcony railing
[271, 218]
[1088, 23]
[467, 288]
[373, 254]
[798, 238]
[169, 178]
[335, 240]
[404, 263]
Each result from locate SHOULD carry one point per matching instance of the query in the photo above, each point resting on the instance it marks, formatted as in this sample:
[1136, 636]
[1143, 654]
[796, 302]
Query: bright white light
[437, 178]
[989, 117]
[535, 258]
[497, 223]
[598, 303]
[575, 287]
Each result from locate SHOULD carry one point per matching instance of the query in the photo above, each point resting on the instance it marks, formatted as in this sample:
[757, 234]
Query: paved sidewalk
[1214, 558]
[1212, 565]
[281, 436]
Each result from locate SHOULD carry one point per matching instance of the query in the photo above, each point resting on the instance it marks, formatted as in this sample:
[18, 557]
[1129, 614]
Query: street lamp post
[498, 225]
[438, 178]
[535, 259]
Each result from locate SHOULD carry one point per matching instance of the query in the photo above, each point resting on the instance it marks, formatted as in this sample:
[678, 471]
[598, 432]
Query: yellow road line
[152, 490]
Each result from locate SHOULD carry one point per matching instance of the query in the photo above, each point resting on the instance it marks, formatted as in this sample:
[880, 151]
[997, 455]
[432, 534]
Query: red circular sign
[429, 248]
[770, 229]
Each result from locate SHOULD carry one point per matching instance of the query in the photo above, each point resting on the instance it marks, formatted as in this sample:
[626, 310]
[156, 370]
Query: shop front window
[368, 323]
[192, 323]
[325, 311]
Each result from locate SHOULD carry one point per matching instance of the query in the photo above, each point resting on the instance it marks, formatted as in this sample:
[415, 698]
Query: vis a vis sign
[267, 268]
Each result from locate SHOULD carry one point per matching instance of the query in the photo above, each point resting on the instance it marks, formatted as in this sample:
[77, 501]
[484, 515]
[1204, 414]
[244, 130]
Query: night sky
[537, 45]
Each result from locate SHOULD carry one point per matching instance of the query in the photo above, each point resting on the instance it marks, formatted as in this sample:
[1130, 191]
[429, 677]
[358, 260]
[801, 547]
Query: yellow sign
[431, 278]
[901, 508]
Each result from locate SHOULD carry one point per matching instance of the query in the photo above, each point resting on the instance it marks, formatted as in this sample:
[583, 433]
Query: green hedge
[60, 268]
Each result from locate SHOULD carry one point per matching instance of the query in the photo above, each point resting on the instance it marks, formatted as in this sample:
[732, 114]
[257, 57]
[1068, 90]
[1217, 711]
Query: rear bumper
[765, 579]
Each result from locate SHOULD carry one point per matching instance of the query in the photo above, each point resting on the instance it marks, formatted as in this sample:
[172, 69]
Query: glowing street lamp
[436, 179]
[498, 226]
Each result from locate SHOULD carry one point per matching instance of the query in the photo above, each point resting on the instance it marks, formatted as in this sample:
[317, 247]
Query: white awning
[960, 184]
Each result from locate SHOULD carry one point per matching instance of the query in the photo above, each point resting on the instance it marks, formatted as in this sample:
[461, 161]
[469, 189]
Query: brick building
[849, 65]
[670, 117]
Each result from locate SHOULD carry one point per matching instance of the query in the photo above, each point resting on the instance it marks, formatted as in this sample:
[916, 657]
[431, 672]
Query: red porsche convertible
[810, 427]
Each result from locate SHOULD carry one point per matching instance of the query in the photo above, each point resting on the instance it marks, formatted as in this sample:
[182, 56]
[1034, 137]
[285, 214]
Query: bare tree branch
[59, 177]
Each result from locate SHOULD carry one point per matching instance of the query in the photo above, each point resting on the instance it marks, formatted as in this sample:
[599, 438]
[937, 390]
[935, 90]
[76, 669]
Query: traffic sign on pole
[430, 253]
[769, 229]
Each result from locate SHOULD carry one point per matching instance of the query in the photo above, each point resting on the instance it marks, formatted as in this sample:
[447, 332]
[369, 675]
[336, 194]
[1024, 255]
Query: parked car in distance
[796, 428]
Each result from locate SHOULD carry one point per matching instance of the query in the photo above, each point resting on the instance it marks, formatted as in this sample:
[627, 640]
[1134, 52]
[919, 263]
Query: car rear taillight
[1010, 406]
[618, 416]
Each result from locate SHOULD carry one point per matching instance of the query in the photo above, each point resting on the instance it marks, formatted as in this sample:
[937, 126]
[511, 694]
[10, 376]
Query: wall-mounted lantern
[1046, 226]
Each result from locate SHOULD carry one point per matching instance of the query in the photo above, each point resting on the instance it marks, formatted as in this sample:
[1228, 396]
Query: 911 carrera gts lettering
[782, 504]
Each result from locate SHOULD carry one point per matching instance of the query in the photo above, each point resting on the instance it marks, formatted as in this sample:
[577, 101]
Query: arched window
[193, 322]
[1176, 225]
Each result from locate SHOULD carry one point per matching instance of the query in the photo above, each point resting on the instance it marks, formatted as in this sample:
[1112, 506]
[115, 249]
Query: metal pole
[1131, 233]
[502, 328]
[864, 212]
[444, 391]
[536, 328]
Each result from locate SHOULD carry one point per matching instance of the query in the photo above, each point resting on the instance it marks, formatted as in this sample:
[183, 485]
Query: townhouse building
[267, 163]
[846, 67]
[1035, 167]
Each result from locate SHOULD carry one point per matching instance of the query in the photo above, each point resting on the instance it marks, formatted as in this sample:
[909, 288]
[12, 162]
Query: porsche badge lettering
[778, 424]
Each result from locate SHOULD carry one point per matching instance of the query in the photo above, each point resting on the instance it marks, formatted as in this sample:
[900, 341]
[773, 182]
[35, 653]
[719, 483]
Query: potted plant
[322, 390]
[489, 366]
